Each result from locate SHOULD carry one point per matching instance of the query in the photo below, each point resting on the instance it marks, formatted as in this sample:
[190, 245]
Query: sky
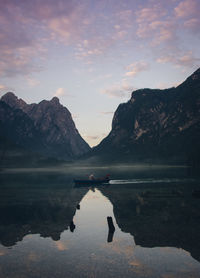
[92, 54]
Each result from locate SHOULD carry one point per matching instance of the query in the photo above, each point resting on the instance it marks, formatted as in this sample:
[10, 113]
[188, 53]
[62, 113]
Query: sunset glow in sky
[93, 53]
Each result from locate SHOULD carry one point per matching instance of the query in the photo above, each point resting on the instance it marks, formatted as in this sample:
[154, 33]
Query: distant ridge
[156, 125]
[46, 128]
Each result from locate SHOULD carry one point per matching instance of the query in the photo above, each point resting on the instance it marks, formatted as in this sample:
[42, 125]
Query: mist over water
[51, 228]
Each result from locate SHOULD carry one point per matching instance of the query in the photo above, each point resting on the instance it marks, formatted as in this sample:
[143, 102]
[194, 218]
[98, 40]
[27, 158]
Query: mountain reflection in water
[51, 229]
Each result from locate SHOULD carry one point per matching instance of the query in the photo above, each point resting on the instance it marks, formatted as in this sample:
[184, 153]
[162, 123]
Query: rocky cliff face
[46, 127]
[156, 124]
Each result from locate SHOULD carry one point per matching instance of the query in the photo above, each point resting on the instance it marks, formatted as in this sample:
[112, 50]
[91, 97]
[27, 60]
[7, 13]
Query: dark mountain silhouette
[156, 124]
[46, 128]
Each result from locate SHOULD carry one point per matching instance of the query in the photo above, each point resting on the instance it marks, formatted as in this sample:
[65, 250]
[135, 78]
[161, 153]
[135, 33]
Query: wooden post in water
[111, 228]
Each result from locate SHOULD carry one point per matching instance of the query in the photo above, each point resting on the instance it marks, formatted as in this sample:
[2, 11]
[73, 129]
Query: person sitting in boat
[91, 177]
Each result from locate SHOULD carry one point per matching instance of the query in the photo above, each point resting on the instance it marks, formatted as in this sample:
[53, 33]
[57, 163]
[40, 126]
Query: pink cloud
[2, 87]
[19, 61]
[149, 14]
[59, 92]
[120, 90]
[38, 10]
[153, 24]
[62, 92]
[193, 25]
[187, 60]
[135, 68]
[28, 26]
[125, 17]
[60, 27]
[181, 60]
[104, 32]
[70, 26]
[33, 24]
[32, 82]
[187, 8]
[19, 43]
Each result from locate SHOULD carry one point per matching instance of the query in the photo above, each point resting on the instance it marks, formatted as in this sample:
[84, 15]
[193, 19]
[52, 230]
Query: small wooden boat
[94, 181]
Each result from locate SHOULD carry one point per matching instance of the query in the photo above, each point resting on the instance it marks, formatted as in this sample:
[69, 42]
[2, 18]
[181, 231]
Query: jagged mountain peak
[12, 100]
[156, 124]
[55, 100]
[50, 120]
[193, 80]
[195, 75]
[9, 95]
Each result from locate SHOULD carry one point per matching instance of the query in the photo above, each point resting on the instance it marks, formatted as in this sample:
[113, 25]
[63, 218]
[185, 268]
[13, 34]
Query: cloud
[19, 61]
[135, 68]
[2, 87]
[187, 8]
[104, 33]
[157, 31]
[83, 52]
[125, 16]
[66, 27]
[147, 19]
[188, 11]
[187, 60]
[5, 88]
[182, 60]
[59, 27]
[30, 28]
[122, 90]
[117, 27]
[26, 29]
[150, 13]
[62, 92]
[32, 82]
[155, 24]
[20, 45]
[193, 24]
[59, 92]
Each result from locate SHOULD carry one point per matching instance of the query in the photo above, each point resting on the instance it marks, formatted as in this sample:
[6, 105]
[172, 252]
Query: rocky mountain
[46, 128]
[156, 124]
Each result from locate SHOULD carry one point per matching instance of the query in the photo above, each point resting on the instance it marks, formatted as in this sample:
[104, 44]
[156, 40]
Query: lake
[51, 228]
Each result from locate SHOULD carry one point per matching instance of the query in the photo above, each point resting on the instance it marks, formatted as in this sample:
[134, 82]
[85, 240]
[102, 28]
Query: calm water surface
[50, 228]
